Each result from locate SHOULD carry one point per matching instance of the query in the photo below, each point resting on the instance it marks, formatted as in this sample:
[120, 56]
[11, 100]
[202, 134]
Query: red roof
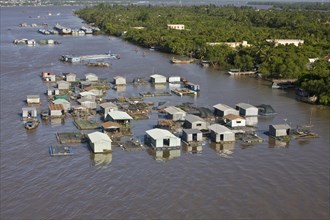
[56, 107]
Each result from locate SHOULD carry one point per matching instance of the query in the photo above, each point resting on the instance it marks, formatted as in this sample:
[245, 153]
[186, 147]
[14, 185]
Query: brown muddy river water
[257, 182]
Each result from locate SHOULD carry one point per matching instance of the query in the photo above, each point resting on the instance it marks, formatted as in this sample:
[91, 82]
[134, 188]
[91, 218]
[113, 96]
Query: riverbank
[248, 43]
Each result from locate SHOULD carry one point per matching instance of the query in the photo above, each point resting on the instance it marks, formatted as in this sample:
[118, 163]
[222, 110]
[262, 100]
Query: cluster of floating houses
[33, 42]
[179, 126]
[62, 30]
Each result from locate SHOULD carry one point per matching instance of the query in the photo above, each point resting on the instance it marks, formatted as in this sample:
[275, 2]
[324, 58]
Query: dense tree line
[147, 26]
[325, 6]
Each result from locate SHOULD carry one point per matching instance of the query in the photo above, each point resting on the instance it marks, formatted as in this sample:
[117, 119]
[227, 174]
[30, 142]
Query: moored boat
[31, 124]
[178, 61]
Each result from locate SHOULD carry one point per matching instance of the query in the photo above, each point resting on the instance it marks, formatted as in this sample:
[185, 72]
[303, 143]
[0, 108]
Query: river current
[262, 181]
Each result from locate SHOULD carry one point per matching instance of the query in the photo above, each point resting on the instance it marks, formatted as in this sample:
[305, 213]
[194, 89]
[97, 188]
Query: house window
[199, 124]
[238, 122]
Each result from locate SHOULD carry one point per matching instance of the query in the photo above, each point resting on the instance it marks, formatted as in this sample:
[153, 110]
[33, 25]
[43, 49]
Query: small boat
[31, 124]
[177, 61]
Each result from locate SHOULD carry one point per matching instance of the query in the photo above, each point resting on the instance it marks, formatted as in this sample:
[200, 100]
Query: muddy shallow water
[261, 181]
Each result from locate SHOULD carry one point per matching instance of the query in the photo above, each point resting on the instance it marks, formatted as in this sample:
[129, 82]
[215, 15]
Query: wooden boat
[31, 124]
[177, 61]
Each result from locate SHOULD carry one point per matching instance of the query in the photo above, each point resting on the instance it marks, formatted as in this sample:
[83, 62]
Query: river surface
[264, 181]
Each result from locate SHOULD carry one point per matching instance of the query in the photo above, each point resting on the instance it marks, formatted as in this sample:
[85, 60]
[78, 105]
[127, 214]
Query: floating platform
[86, 124]
[182, 92]
[60, 150]
[71, 137]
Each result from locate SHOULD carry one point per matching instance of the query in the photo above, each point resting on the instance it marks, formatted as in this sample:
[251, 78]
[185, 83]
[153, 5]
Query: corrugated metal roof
[63, 82]
[191, 131]
[29, 109]
[56, 107]
[119, 115]
[281, 126]
[108, 104]
[111, 124]
[82, 94]
[172, 110]
[219, 128]
[245, 106]
[118, 77]
[33, 96]
[98, 136]
[222, 107]
[61, 101]
[157, 76]
[193, 118]
[157, 133]
[232, 117]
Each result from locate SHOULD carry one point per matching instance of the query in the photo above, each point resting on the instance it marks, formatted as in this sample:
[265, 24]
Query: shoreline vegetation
[230, 37]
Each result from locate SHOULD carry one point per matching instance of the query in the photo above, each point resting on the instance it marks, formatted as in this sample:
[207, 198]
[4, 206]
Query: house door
[194, 137]
[221, 137]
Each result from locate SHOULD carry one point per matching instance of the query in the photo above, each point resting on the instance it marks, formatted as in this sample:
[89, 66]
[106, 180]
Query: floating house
[87, 95]
[92, 77]
[33, 99]
[174, 79]
[88, 103]
[111, 126]
[48, 76]
[51, 92]
[119, 81]
[63, 85]
[70, 77]
[222, 110]
[99, 142]
[189, 135]
[96, 92]
[56, 110]
[279, 130]
[174, 113]
[247, 109]
[107, 107]
[194, 122]
[161, 138]
[85, 84]
[220, 133]
[234, 121]
[29, 112]
[156, 78]
[119, 117]
[66, 104]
